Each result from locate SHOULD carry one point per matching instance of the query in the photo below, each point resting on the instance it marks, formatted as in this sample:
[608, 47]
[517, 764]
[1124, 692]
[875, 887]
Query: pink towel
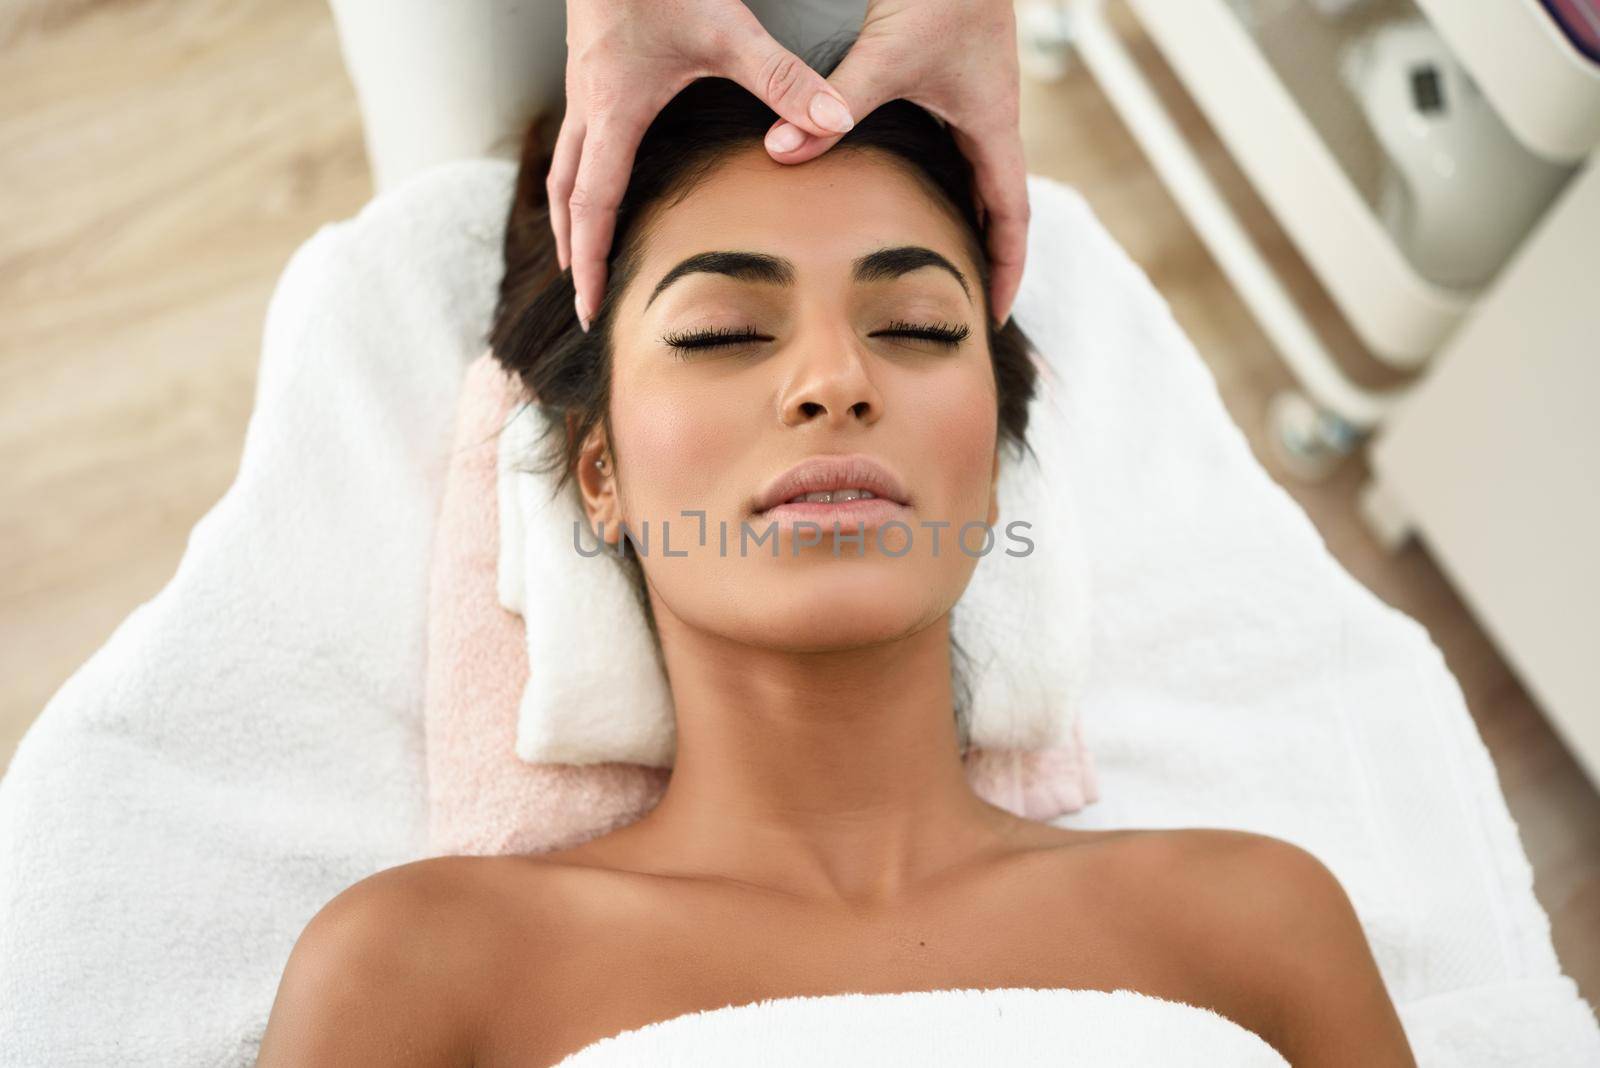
[483, 798]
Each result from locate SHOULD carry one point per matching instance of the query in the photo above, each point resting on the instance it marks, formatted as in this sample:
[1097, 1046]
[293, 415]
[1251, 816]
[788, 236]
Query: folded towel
[483, 799]
[1023, 620]
[1012, 1026]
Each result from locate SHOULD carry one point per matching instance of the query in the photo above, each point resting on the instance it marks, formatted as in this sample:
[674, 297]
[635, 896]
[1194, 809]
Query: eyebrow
[879, 265]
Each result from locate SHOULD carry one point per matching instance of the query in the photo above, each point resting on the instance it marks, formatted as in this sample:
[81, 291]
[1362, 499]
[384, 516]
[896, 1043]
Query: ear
[994, 491]
[597, 485]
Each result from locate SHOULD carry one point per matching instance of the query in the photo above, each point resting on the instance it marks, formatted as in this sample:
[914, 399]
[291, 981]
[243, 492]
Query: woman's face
[708, 429]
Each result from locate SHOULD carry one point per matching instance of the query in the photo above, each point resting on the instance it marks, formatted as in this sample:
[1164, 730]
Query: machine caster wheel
[1385, 516]
[1310, 440]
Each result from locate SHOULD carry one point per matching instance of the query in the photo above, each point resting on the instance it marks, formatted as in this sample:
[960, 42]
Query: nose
[831, 385]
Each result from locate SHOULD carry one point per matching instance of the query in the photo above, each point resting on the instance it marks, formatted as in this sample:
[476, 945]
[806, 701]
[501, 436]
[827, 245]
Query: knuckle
[580, 205]
[601, 139]
[781, 75]
[584, 205]
[600, 98]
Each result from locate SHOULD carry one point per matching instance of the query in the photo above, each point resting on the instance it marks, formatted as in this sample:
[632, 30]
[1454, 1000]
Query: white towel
[598, 690]
[1017, 1027]
[249, 742]
[1067, 1028]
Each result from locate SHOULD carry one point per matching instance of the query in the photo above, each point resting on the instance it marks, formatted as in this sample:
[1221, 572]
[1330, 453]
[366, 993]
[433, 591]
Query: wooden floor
[161, 159]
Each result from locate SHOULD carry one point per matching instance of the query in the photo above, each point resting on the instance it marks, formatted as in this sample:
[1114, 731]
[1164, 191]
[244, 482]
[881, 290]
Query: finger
[809, 146]
[1008, 251]
[786, 83]
[558, 183]
[868, 75]
[1007, 231]
[608, 150]
[859, 80]
[1000, 179]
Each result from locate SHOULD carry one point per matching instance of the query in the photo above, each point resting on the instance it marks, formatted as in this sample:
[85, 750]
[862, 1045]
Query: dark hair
[566, 372]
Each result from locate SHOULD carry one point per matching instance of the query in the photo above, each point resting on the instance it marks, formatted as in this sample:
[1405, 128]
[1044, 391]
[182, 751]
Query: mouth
[853, 491]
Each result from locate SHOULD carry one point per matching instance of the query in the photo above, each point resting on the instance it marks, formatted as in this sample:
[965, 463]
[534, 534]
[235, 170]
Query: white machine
[1459, 191]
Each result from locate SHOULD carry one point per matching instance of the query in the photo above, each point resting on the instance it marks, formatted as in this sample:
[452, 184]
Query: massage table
[249, 742]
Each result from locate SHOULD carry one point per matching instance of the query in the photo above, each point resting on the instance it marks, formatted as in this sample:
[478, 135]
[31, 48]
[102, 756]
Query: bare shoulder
[369, 981]
[425, 901]
[1242, 873]
[1284, 938]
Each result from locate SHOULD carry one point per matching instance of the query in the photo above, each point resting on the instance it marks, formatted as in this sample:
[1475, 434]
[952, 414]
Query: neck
[829, 775]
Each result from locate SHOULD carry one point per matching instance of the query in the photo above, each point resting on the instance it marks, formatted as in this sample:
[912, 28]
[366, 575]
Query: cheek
[956, 423]
[671, 441]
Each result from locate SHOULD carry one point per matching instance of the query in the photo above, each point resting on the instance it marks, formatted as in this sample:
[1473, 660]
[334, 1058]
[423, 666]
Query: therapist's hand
[625, 60]
[958, 59]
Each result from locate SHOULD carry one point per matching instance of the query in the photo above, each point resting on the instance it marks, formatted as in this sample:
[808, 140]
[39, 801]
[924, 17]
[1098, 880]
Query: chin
[842, 607]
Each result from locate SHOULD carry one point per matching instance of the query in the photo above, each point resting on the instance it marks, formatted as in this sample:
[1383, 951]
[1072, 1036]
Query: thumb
[865, 78]
[861, 79]
[787, 84]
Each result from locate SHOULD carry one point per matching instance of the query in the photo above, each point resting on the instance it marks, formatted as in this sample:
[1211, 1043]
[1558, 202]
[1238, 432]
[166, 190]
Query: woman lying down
[827, 321]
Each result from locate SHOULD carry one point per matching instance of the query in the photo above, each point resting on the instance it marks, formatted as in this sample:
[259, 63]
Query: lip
[829, 519]
[855, 470]
[819, 473]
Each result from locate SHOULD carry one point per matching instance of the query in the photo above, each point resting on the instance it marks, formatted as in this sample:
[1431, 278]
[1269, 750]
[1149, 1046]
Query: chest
[630, 962]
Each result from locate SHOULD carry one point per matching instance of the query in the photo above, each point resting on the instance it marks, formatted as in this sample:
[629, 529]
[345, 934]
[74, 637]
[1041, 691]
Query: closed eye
[711, 339]
[947, 334]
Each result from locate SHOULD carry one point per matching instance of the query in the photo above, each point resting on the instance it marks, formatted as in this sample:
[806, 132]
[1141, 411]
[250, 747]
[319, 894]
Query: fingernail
[784, 137]
[583, 312]
[828, 113]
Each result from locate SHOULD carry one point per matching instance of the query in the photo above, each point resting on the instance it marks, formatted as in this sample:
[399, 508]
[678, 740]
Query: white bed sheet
[249, 742]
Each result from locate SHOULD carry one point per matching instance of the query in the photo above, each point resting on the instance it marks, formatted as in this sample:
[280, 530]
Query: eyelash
[948, 334]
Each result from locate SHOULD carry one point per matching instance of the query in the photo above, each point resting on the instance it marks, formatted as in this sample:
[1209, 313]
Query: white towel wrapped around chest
[1012, 1026]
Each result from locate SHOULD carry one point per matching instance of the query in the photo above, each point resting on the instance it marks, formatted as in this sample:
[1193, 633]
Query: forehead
[821, 214]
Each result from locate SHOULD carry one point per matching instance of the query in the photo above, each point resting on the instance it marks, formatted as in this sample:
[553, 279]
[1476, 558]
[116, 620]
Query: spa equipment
[1482, 283]
[249, 742]
[1328, 108]
[1457, 190]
